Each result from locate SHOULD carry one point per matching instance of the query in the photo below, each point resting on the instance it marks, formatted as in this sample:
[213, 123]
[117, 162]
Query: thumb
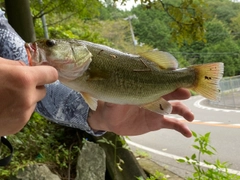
[44, 74]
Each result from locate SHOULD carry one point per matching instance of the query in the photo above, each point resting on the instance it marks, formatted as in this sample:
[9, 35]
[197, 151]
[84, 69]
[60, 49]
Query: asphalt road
[165, 146]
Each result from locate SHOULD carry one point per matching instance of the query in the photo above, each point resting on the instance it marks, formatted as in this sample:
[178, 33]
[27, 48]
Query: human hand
[131, 120]
[21, 88]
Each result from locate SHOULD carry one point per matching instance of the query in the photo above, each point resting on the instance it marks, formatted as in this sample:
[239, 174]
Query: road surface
[164, 146]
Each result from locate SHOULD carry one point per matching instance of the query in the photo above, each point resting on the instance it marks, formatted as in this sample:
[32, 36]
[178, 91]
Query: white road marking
[196, 120]
[210, 123]
[207, 123]
[198, 105]
[213, 122]
[172, 156]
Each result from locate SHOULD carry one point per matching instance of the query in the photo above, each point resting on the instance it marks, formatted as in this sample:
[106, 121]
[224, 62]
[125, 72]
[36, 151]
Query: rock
[36, 172]
[91, 163]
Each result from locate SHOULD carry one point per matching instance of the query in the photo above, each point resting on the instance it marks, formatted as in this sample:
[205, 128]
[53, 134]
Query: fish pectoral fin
[164, 59]
[160, 106]
[91, 101]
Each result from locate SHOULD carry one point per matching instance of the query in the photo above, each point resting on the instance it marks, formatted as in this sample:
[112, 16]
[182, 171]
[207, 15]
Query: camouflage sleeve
[61, 104]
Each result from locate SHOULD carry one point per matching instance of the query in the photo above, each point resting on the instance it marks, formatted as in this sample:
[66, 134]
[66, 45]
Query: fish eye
[50, 42]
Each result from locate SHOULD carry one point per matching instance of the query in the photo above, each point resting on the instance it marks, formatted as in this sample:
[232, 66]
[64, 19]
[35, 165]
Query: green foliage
[183, 21]
[217, 170]
[235, 26]
[221, 41]
[109, 12]
[43, 142]
[119, 142]
[156, 176]
[187, 18]
[71, 32]
[216, 32]
[206, 31]
[73, 29]
[223, 10]
[200, 27]
[151, 28]
[220, 47]
[66, 19]
[118, 34]
[227, 53]
[142, 154]
[65, 8]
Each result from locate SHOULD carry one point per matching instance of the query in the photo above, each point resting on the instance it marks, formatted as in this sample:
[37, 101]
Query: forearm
[11, 45]
[65, 106]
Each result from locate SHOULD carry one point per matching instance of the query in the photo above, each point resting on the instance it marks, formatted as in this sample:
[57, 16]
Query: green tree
[227, 52]
[151, 28]
[223, 10]
[60, 11]
[187, 17]
[65, 9]
[22, 19]
[235, 27]
[216, 31]
[109, 11]
[219, 47]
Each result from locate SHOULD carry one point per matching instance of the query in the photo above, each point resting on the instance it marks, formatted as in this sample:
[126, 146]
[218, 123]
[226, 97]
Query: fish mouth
[36, 56]
[31, 47]
[32, 52]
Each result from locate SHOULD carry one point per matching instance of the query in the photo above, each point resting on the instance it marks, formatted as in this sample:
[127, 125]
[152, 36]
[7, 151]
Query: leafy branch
[206, 170]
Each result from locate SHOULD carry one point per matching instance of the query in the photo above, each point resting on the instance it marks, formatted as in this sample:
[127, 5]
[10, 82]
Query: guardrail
[230, 93]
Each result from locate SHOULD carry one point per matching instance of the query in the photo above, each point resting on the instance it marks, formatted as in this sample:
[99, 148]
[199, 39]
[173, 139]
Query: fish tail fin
[207, 79]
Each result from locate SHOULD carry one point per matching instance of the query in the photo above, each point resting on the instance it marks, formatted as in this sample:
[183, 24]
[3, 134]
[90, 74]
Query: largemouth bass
[101, 73]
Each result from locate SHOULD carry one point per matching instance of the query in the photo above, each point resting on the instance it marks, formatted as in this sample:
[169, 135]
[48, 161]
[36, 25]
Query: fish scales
[135, 83]
[102, 73]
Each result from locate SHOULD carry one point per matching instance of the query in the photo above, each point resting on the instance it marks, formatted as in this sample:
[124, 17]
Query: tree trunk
[20, 18]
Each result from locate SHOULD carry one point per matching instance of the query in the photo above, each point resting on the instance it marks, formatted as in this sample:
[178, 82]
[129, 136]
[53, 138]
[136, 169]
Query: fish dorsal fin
[164, 59]
[160, 106]
[91, 101]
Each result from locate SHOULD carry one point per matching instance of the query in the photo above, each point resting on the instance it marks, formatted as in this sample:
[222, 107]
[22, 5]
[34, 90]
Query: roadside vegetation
[205, 170]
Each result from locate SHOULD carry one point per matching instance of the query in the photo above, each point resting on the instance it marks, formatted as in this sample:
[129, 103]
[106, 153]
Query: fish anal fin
[207, 79]
[91, 101]
[164, 59]
[160, 106]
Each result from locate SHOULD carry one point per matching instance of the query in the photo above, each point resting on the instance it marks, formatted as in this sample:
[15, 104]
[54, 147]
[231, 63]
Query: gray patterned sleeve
[61, 104]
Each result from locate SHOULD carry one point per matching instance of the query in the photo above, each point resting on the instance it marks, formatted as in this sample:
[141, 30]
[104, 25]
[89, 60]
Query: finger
[178, 94]
[182, 110]
[44, 74]
[34, 95]
[40, 93]
[171, 123]
[11, 62]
